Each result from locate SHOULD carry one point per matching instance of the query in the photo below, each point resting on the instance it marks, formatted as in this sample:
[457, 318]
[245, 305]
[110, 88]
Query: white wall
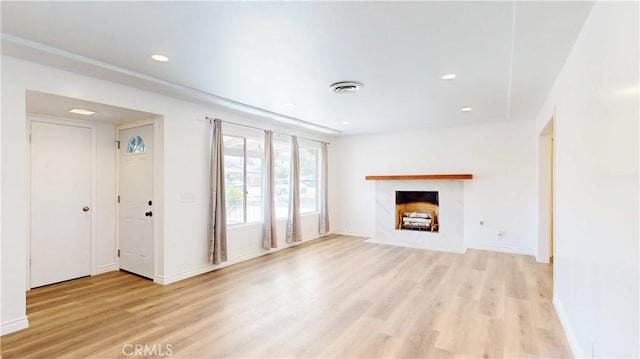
[183, 247]
[3, 275]
[596, 185]
[501, 157]
[14, 221]
[545, 191]
[105, 254]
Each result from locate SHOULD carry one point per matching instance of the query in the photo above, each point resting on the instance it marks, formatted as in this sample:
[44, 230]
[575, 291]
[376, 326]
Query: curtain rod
[262, 129]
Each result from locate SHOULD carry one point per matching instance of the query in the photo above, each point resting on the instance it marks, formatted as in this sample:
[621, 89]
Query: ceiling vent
[346, 87]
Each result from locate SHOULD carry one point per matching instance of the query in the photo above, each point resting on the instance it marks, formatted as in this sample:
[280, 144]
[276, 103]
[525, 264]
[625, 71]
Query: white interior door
[136, 200]
[60, 200]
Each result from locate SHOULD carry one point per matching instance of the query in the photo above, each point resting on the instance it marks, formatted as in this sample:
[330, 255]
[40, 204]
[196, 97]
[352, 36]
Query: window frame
[245, 190]
[314, 147]
[288, 144]
[137, 149]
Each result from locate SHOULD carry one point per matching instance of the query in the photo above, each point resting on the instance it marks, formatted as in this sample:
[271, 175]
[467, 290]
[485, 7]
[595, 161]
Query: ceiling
[39, 103]
[281, 57]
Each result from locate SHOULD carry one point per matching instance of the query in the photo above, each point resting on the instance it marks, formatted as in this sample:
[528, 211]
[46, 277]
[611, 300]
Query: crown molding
[72, 62]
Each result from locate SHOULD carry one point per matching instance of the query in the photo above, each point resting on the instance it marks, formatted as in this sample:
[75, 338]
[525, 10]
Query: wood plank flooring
[333, 298]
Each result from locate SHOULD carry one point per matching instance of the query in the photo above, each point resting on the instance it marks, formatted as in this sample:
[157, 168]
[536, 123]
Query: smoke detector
[346, 87]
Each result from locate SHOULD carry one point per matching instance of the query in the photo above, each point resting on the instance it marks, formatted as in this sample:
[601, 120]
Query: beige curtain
[293, 221]
[217, 216]
[324, 190]
[269, 238]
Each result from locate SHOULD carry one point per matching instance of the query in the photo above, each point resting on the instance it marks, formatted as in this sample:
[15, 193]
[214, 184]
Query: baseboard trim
[14, 325]
[172, 278]
[542, 260]
[568, 331]
[502, 249]
[165, 280]
[105, 268]
[352, 234]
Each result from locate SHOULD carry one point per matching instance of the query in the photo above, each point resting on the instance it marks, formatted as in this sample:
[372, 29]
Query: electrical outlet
[500, 232]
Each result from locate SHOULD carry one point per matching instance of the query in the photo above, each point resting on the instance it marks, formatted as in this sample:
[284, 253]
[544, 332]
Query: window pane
[282, 168]
[308, 179]
[255, 157]
[308, 196]
[234, 178]
[136, 145]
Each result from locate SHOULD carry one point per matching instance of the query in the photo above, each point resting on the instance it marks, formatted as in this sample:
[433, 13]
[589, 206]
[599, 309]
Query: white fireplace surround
[450, 237]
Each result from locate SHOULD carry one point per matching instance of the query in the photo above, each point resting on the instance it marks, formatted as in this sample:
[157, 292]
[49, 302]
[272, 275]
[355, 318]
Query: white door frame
[94, 189]
[157, 203]
[546, 187]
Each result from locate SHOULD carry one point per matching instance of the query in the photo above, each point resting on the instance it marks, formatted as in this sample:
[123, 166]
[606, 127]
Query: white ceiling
[267, 54]
[39, 103]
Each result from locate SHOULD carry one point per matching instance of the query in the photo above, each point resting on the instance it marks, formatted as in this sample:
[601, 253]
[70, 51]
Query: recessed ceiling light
[345, 122]
[466, 109]
[80, 111]
[346, 87]
[449, 76]
[288, 104]
[160, 58]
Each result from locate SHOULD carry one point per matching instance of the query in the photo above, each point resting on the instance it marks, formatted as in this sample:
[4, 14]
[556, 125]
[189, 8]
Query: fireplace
[417, 211]
[446, 202]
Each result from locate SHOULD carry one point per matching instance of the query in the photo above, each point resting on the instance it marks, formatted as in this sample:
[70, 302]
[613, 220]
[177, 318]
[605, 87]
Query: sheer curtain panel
[217, 232]
[269, 238]
[324, 189]
[293, 221]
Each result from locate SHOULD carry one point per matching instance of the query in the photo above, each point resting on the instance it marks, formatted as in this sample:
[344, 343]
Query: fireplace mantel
[456, 176]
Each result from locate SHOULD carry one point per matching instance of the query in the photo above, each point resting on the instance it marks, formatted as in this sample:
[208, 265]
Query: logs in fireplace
[417, 211]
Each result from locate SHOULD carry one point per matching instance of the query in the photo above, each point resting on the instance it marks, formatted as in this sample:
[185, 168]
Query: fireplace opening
[417, 211]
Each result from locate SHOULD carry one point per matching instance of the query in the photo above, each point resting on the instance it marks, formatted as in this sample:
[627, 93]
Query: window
[254, 160]
[308, 179]
[243, 159]
[136, 145]
[281, 174]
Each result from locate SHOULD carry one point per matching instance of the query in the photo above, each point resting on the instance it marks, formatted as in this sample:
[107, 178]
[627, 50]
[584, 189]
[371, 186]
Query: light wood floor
[336, 297]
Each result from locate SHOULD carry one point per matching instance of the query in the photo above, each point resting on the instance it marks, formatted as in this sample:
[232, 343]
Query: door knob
[148, 214]
[85, 209]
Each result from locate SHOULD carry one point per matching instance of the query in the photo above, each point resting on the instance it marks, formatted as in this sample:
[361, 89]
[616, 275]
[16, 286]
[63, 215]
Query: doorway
[60, 202]
[73, 167]
[135, 198]
[546, 152]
